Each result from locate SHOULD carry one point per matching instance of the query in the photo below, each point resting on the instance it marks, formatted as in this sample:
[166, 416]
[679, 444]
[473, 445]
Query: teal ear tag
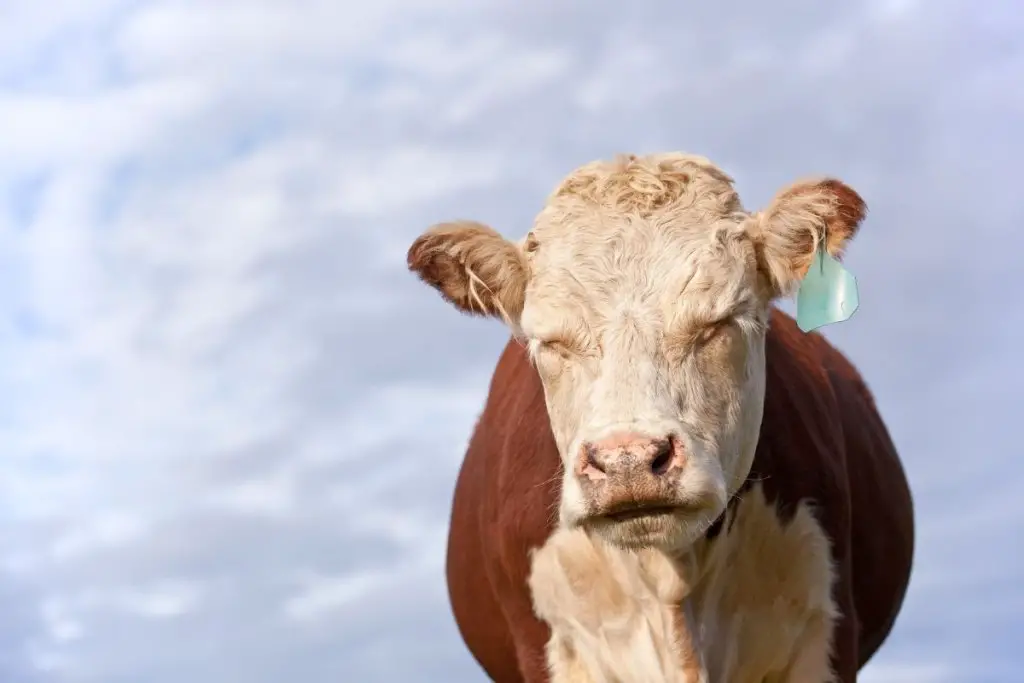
[828, 294]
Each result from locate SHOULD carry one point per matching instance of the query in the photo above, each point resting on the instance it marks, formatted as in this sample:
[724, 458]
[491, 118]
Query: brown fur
[822, 444]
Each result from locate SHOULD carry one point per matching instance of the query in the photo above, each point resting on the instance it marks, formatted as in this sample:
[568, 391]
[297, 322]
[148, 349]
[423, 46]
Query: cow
[654, 398]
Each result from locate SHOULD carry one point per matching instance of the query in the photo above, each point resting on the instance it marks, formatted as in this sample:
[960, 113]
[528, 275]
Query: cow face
[642, 294]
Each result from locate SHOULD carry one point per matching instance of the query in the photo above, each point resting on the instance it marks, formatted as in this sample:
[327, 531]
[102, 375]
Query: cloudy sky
[231, 420]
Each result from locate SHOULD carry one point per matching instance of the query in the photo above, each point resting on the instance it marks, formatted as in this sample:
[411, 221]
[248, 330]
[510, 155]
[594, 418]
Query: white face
[647, 330]
[642, 294]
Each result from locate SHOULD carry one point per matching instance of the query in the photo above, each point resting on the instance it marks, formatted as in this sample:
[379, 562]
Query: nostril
[662, 457]
[587, 464]
[591, 460]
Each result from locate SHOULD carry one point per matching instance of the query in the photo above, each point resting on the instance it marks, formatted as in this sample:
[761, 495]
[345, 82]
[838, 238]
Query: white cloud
[232, 421]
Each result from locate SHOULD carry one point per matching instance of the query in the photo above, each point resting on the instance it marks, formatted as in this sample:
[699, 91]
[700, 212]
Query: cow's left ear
[798, 220]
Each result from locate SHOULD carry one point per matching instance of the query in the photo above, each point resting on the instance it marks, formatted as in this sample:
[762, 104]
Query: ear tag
[827, 294]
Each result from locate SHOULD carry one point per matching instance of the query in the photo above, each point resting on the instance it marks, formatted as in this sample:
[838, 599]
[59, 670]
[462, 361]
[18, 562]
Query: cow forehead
[635, 234]
[670, 283]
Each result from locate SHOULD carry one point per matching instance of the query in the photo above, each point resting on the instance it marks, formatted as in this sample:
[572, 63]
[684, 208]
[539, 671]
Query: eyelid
[713, 328]
[700, 332]
[557, 342]
[717, 323]
[562, 342]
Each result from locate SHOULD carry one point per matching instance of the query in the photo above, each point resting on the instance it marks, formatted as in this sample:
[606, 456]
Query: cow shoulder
[517, 499]
[773, 567]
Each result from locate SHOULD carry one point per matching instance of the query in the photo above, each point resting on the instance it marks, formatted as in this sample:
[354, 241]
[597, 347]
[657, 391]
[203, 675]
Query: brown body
[822, 443]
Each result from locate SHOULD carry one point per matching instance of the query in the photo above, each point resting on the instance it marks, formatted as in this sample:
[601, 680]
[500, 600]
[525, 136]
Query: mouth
[637, 525]
[627, 512]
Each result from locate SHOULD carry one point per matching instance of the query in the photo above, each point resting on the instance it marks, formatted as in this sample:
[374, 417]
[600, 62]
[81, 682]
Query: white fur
[754, 605]
[616, 616]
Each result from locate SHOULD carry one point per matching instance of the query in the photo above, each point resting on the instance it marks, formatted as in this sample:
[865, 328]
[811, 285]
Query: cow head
[642, 295]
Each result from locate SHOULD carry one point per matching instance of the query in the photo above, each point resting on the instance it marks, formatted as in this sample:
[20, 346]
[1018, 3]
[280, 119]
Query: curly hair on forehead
[647, 184]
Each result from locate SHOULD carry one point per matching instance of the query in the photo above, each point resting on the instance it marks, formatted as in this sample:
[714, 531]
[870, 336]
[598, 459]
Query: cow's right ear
[473, 267]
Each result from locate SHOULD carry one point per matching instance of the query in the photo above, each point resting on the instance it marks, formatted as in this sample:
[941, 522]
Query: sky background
[230, 420]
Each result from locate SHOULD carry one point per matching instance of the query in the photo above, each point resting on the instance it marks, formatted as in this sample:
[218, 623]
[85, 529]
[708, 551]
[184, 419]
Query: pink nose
[628, 455]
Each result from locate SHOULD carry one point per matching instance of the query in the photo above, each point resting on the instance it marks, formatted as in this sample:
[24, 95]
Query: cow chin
[636, 518]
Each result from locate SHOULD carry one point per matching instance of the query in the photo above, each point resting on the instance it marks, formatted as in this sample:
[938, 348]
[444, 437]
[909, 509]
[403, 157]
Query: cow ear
[799, 219]
[473, 267]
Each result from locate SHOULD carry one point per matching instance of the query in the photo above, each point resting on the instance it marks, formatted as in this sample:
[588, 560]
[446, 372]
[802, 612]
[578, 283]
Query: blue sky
[231, 420]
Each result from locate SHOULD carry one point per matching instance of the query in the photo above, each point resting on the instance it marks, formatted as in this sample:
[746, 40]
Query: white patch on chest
[752, 606]
[764, 599]
[615, 616]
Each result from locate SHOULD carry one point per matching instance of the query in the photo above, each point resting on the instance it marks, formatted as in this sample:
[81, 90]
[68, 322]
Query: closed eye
[709, 331]
[696, 335]
[562, 347]
[565, 344]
